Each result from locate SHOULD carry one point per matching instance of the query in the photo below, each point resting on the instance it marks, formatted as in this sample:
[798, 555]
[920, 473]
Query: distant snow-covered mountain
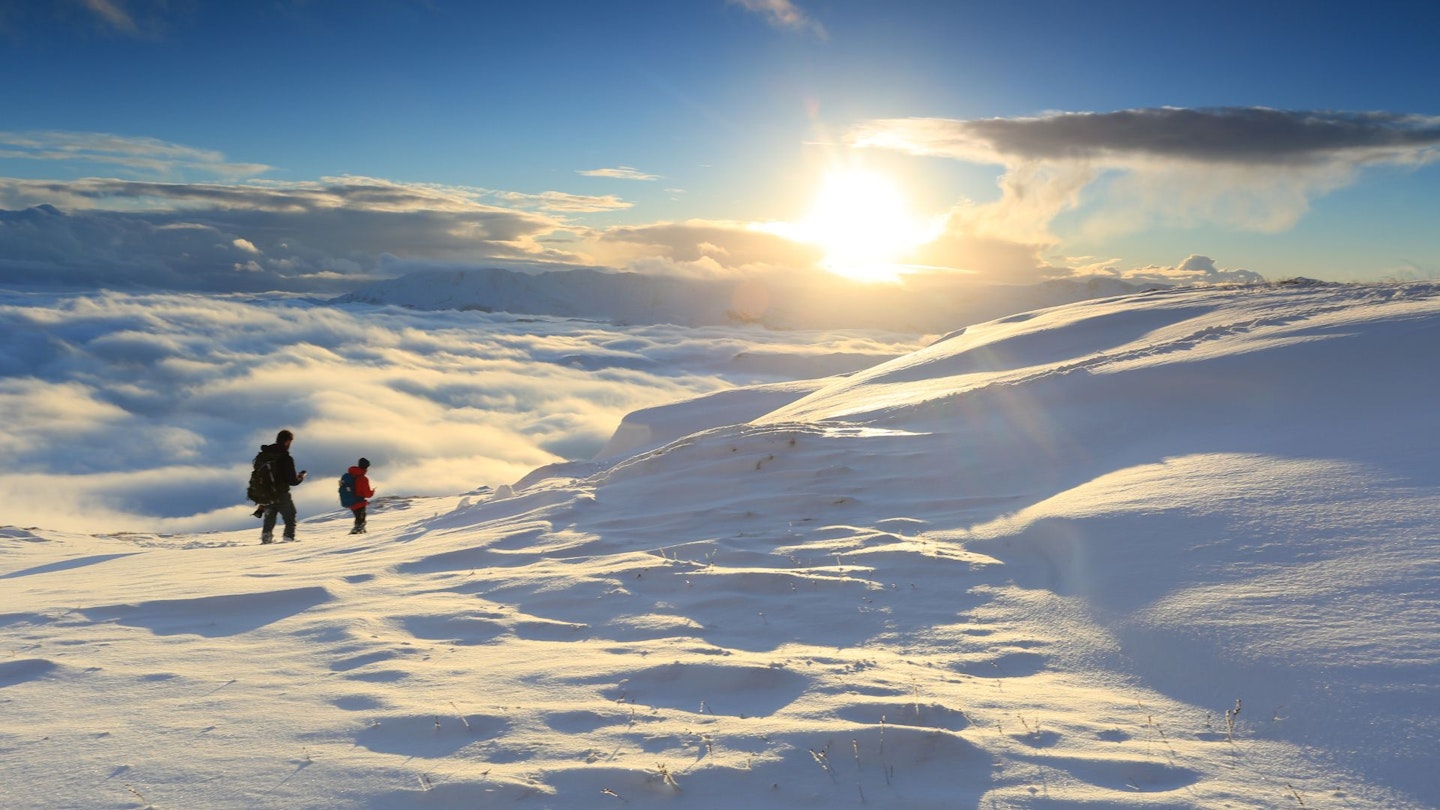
[921, 303]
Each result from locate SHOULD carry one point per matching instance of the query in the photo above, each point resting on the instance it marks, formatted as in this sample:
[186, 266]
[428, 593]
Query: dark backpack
[262, 489]
[348, 498]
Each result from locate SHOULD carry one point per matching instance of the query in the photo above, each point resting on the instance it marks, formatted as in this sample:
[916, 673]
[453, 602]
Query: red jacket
[362, 488]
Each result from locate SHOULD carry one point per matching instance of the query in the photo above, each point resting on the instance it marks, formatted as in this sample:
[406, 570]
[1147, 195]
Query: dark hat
[364, 464]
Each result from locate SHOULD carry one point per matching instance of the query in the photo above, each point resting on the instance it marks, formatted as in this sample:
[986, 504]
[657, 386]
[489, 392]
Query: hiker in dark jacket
[285, 477]
[360, 492]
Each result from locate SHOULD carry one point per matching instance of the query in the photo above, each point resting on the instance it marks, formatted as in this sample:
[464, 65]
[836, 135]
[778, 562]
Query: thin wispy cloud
[562, 202]
[784, 14]
[329, 193]
[112, 15]
[620, 173]
[149, 20]
[146, 156]
[156, 163]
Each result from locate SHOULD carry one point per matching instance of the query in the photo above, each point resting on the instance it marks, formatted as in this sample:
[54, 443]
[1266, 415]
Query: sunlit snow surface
[1167, 550]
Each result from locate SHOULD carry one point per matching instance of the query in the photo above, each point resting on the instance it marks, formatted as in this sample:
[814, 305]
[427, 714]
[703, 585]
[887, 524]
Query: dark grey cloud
[1234, 135]
[1245, 168]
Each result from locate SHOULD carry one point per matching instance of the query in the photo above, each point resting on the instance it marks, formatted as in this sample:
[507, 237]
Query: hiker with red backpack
[355, 490]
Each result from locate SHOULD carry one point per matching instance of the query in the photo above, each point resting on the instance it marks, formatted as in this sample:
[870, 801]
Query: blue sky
[316, 144]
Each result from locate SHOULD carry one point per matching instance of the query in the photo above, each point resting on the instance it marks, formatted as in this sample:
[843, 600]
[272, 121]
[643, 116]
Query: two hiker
[272, 476]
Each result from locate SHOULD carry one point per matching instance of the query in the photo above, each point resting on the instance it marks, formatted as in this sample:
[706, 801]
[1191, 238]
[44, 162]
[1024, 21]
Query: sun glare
[861, 221]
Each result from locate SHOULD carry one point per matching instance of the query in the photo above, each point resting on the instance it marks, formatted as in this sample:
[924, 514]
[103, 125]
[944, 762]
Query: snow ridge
[1164, 550]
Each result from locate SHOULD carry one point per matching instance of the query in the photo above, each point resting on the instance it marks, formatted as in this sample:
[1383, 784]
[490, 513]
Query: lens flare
[862, 222]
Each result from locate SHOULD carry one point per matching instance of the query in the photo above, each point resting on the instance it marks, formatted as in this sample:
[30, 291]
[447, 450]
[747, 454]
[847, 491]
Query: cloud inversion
[141, 412]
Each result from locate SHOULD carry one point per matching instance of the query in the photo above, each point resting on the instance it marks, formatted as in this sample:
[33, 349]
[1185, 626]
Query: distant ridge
[922, 304]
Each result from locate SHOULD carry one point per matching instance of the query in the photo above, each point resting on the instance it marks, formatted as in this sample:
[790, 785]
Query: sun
[862, 222]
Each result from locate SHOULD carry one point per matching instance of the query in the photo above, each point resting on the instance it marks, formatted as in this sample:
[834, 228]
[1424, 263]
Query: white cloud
[37, 413]
[620, 173]
[1193, 270]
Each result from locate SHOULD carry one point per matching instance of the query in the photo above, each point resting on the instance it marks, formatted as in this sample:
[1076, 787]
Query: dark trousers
[359, 516]
[284, 507]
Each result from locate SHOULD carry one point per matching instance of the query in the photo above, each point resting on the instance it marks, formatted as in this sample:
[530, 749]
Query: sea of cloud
[141, 411]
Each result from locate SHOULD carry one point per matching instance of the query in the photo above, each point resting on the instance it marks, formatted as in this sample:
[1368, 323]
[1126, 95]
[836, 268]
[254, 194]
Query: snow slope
[1167, 550]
